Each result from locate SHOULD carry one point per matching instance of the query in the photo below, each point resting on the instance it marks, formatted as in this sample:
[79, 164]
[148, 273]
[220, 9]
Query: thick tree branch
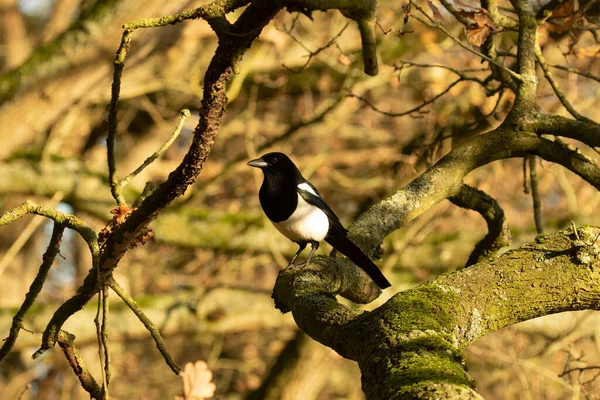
[445, 179]
[560, 126]
[527, 42]
[418, 336]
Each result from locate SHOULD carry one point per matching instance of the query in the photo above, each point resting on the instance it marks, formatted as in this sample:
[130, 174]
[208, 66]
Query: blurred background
[206, 276]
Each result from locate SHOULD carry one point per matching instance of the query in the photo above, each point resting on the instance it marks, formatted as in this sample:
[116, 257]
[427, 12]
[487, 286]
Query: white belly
[307, 223]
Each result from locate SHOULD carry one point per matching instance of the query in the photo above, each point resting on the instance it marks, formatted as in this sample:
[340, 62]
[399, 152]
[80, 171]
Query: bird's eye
[275, 160]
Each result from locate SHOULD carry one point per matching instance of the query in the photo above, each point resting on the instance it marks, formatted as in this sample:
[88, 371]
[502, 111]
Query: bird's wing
[311, 195]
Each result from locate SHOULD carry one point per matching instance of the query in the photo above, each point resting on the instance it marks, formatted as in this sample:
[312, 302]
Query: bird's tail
[344, 245]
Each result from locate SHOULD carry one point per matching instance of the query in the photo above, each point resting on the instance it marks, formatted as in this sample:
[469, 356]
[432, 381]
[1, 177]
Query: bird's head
[277, 166]
[273, 162]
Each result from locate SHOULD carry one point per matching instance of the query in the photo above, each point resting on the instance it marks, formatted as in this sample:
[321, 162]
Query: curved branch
[498, 232]
[68, 220]
[445, 179]
[414, 109]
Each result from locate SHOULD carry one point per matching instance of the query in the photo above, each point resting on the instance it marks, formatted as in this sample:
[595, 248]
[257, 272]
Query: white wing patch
[307, 223]
[307, 187]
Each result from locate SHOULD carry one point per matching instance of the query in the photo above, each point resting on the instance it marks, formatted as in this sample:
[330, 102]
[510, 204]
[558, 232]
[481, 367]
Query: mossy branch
[418, 336]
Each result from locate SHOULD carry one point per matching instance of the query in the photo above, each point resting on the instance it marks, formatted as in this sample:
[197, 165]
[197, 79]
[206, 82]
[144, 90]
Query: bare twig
[160, 343]
[119, 64]
[525, 177]
[576, 71]
[535, 194]
[400, 65]
[311, 54]
[412, 110]
[407, 13]
[35, 288]
[185, 114]
[563, 99]
[104, 335]
[66, 341]
[100, 346]
[434, 24]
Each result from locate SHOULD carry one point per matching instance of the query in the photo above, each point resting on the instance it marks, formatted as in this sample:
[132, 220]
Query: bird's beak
[258, 163]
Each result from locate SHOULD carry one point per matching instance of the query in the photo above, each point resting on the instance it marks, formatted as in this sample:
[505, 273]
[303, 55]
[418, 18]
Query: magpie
[298, 211]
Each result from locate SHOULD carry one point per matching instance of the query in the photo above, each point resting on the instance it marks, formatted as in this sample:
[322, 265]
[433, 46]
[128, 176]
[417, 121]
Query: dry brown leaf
[482, 18]
[481, 27]
[197, 383]
[478, 35]
[437, 15]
